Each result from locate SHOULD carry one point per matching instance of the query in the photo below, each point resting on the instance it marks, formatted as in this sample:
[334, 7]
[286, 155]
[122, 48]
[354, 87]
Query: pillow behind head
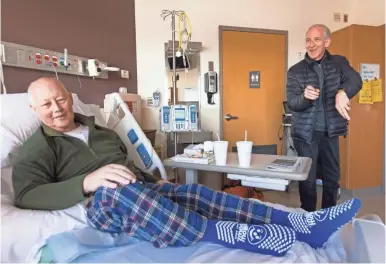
[88, 110]
[19, 122]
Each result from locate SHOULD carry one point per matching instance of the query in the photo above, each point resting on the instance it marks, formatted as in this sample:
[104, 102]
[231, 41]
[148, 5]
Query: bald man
[70, 159]
[53, 104]
[319, 89]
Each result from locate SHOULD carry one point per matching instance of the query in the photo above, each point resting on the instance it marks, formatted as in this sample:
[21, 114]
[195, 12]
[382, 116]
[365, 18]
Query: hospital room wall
[361, 152]
[88, 28]
[206, 16]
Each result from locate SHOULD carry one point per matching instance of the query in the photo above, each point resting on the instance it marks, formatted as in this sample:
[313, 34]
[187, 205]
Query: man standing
[319, 89]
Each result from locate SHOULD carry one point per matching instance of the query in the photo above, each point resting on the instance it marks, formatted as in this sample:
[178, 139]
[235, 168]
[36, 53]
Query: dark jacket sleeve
[34, 183]
[351, 81]
[295, 94]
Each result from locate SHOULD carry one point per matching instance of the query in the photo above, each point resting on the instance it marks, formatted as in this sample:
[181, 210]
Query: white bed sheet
[25, 232]
[91, 246]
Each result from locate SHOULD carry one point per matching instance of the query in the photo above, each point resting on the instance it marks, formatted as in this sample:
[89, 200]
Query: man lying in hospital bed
[70, 159]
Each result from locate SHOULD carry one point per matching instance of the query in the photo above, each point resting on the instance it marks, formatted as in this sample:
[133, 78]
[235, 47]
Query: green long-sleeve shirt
[51, 166]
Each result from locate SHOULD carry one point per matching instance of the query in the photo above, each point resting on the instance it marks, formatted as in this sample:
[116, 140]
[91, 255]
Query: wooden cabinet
[362, 151]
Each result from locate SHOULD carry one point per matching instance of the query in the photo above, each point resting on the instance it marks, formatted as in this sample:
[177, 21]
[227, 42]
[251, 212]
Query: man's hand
[160, 182]
[311, 93]
[109, 176]
[342, 104]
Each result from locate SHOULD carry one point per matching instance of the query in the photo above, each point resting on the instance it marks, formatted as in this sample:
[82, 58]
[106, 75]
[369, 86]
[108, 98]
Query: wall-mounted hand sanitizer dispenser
[156, 98]
[210, 85]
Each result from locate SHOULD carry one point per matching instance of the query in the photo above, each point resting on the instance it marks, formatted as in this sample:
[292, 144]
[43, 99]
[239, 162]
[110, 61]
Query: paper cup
[220, 152]
[244, 152]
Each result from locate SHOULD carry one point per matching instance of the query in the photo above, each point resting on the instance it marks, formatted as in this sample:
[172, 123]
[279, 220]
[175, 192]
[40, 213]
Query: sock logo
[320, 215]
[256, 234]
[241, 232]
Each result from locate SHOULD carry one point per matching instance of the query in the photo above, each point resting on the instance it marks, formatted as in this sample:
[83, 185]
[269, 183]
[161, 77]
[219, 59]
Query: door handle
[229, 117]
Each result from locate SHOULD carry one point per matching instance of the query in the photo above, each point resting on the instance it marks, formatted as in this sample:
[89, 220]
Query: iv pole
[164, 15]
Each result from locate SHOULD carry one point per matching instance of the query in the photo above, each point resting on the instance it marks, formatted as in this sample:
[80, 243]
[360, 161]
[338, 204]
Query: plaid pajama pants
[169, 214]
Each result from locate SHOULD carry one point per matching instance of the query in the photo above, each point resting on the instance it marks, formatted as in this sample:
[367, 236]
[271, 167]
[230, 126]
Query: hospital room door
[247, 103]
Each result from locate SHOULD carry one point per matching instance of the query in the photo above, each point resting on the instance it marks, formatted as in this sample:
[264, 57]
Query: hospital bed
[27, 233]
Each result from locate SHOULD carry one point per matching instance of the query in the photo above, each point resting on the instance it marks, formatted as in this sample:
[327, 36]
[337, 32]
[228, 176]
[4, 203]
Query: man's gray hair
[327, 32]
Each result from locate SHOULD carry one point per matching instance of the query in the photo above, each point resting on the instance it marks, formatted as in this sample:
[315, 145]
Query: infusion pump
[181, 117]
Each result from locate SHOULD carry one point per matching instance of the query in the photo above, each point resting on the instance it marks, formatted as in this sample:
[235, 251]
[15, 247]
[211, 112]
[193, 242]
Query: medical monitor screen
[179, 114]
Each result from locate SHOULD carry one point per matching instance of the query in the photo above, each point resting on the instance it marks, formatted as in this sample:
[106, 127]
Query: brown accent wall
[101, 29]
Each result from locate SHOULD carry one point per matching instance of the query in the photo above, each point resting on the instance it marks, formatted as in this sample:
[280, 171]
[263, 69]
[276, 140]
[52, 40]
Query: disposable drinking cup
[220, 152]
[244, 151]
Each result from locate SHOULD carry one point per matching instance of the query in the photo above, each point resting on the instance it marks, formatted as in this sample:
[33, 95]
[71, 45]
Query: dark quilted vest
[303, 122]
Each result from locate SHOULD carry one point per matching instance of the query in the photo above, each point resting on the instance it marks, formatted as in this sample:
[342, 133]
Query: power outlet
[124, 74]
[345, 18]
[337, 17]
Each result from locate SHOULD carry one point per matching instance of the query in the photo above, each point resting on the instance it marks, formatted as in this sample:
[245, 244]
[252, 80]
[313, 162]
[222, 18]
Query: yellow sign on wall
[365, 93]
[376, 90]
[371, 92]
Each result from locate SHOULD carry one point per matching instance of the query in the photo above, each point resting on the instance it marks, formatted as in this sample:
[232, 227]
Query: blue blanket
[89, 246]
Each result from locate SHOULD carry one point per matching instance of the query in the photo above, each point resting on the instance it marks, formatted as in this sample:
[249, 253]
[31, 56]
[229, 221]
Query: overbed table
[257, 168]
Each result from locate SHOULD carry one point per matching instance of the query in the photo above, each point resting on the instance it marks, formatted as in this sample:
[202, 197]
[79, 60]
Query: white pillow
[19, 122]
[88, 110]
[25, 232]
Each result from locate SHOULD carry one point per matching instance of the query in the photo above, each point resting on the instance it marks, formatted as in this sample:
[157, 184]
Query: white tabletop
[257, 168]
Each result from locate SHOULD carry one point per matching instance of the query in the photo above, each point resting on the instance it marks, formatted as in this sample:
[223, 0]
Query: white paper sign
[190, 95]
[370, 71]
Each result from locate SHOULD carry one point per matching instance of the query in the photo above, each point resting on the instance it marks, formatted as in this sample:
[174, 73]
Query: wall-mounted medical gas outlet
[40, 59]
[125, 74]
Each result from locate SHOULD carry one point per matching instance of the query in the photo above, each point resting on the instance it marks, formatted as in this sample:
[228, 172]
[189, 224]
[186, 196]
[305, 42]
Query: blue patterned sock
[315, 228]
[265, 239]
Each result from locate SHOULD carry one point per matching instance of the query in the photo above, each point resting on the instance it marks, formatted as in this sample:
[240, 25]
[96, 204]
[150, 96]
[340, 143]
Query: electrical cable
[80, 83]
[2, 83]
[56, 73]
[291, 147]
[278, 132]
[185, 35]
[3, 89]
[281, 137]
